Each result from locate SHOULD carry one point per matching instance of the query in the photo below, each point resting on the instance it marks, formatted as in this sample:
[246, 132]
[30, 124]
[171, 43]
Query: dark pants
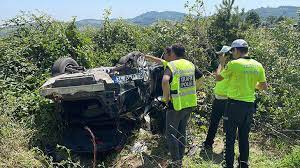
[218, 109]
[176, 132]
[238, 115]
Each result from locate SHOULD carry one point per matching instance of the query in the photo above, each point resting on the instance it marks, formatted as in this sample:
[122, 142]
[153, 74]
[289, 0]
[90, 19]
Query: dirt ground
[146, 150]
[155, 154]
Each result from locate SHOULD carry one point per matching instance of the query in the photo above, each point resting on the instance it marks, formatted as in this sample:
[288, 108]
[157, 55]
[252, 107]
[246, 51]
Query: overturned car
[104, 104]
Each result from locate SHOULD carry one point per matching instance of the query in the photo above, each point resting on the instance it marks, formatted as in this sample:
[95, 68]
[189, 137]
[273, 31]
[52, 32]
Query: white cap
[225, 49]
[239, 43]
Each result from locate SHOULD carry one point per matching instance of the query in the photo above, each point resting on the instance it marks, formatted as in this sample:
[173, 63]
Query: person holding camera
[244, 75]
[219, 103]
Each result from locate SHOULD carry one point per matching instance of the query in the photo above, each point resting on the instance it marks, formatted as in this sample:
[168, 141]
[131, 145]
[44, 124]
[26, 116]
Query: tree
[253, 18]
[226, 24]
[271, 20]
[280, 19]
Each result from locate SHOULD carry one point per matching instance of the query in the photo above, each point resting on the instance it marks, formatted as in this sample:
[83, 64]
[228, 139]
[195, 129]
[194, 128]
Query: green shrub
[14, 150]
[35, 42]
[291, 160]
[277, 49]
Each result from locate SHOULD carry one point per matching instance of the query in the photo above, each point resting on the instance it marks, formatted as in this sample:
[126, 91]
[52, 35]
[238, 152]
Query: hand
[222, 59]
[165, 101]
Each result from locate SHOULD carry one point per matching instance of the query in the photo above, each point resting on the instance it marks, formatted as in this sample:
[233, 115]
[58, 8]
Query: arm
[262, 86]
[166, 86]
[154, 59]
[218, 73]
[222, 60]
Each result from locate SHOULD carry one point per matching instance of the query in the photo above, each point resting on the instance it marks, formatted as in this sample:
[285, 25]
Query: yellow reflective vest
[165, 64]
[183, 85]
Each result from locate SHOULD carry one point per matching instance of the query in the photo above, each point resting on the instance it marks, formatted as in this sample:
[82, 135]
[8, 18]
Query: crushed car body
[109, 101]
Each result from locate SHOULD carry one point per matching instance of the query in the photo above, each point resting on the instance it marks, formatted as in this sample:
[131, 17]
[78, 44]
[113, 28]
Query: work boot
[242, 164]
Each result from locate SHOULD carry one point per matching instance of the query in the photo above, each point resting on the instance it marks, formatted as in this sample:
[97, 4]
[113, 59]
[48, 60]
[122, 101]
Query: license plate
[128, 78]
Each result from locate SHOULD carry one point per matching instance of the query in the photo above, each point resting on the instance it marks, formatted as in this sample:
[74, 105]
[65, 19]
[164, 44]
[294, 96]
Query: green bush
[291, 160]
[14, 139]
[277, 49]
[27, 53]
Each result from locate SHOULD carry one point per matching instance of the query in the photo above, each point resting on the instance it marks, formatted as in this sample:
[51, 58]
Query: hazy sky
[86, 9]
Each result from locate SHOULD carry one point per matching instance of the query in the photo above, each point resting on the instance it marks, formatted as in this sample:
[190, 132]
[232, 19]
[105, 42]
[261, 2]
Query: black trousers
[176, 132]
[238, 116]
[218, 109]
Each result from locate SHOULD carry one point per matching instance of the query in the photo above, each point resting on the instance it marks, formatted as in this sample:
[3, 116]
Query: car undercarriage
[101, 107]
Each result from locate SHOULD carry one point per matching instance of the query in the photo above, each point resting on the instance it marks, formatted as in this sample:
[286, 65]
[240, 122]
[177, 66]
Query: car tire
[132, 56]
[59, 66]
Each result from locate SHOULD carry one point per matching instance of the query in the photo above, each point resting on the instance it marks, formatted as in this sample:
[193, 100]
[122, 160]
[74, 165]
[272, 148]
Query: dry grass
[16, 153]
[156, 154]
[14, 149]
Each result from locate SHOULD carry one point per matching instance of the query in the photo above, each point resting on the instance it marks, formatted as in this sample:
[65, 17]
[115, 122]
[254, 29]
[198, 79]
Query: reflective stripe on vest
[183, 83]
[192, 92]
[176, 71]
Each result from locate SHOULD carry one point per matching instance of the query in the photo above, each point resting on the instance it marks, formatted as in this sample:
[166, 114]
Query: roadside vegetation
[28, 122]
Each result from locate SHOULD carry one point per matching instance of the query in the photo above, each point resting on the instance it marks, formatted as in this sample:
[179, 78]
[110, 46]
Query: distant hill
[149, 18]
[89, 22]
[287, 11]
[143, 19]
[152, 17]
[5, 30]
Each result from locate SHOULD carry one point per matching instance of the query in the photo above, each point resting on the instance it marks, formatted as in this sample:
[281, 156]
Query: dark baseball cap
[239, 43]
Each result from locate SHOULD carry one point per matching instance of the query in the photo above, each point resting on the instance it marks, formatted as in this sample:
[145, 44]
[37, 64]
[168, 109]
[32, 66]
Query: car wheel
[60, 65]
[133, 57]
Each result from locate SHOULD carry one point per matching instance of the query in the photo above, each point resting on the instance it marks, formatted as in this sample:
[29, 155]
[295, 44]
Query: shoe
[243, 165]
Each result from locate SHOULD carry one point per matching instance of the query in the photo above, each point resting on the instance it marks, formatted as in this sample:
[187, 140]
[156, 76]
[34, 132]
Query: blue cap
[239, 43]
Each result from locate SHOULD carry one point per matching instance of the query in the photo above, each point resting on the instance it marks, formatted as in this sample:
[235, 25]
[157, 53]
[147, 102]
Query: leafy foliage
[253, 18]
[291, 160]
[226, 25]
[36, 41]
[277, 50]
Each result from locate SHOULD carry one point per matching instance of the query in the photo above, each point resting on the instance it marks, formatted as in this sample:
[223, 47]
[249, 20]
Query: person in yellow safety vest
[218, 106]
[169, 56]
[179, 94]
[244, 75]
